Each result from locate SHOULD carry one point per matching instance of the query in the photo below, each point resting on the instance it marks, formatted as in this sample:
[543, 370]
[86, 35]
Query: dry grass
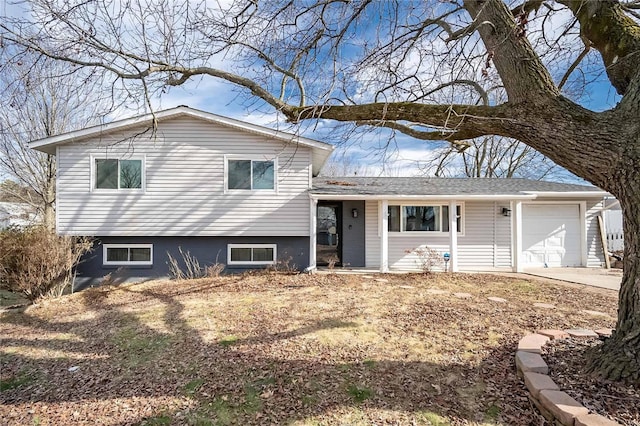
[283, 349]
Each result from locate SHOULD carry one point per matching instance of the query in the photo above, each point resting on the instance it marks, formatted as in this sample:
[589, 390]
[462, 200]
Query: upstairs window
[251, 174]
[432, 218]
[118, 174]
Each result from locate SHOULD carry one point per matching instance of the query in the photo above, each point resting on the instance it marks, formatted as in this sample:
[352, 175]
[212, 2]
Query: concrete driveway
[596, 277]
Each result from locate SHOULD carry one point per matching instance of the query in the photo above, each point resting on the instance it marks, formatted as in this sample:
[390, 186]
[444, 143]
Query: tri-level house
[246, 196]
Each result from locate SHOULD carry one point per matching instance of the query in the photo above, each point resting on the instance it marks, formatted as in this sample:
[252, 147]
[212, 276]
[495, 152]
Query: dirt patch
[275, 348]
[566, 360]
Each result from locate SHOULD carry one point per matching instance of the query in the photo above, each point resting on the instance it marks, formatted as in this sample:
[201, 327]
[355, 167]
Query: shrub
[36, 262]
[427, 258]
[190, 268]
[284, 266]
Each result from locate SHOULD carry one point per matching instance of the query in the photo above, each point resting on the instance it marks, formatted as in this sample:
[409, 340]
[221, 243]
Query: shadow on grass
[120, 357]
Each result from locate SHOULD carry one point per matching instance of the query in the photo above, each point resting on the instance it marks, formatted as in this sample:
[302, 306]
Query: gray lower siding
[208, 250]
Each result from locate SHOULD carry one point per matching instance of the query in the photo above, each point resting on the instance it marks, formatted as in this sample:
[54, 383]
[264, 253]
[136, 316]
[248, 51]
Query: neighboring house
[16, 215]
[245, 196]
[613, 224]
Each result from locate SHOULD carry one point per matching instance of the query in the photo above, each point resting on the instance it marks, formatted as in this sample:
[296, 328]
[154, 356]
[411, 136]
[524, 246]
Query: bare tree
[343, 165]
[423, 68]
[492, 157]
[39, 98]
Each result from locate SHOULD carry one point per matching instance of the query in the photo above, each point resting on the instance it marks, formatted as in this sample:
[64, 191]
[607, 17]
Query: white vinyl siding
[595, 255]
[184, 193]
[487, 240]
[401, 249]
[486, 243]
[371, 234]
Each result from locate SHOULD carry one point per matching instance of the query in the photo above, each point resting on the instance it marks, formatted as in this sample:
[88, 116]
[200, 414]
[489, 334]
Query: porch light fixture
[506, 212]
[354, 213]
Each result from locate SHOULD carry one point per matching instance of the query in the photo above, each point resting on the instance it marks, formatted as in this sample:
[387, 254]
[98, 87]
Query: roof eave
[460, 197]
[569, 194]
[48, 144]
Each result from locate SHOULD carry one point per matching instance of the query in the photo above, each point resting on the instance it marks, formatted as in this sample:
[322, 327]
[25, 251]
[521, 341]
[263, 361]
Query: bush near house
[36, 262]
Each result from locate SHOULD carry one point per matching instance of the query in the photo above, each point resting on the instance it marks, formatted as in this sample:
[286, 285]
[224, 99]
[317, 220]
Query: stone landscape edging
[555, 405]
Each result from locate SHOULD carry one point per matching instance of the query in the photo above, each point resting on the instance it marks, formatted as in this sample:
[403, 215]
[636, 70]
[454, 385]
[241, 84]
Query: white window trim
[249, 158]
[105, 262]
[461, 230]
[251, 262]
[94, 157]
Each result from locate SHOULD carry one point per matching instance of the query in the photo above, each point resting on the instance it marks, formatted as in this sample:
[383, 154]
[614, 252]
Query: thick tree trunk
[619, 357]
[603, 148]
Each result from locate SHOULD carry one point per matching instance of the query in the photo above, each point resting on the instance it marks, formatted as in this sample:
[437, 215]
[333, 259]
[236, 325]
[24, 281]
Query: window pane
[394, 219]
[421, 218]
[140, 254]
[117, 254]
[240, 255]
[445, 218]
[262, 254]
[106, 174]
[263, 175]
[131, 174]
[239, 174]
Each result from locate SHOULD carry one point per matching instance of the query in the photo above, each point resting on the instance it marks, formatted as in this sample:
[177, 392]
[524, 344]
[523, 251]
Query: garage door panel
[551, 235]
[533, 257]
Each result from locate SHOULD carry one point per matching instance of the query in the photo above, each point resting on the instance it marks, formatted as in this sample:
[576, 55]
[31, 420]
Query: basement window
[127, 254]
[251, 254]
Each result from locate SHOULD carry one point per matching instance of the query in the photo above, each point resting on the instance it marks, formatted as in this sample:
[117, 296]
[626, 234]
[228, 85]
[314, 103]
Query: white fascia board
[571, 194]
[319, 159]
[420, 197]
[48, 144]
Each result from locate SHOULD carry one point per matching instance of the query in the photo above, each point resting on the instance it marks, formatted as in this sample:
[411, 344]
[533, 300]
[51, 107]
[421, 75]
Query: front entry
[329, 235]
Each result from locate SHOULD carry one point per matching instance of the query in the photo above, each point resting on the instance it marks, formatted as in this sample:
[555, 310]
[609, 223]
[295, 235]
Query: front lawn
[284, 349]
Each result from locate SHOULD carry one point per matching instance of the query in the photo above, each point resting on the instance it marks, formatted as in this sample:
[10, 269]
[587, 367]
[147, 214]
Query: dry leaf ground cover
[284, 349]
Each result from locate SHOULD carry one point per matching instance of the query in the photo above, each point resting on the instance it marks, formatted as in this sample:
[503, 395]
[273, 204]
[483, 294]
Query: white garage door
[551, 235]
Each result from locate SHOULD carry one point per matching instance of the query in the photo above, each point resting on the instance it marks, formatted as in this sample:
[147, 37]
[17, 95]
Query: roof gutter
[568, 194]
[492, 197]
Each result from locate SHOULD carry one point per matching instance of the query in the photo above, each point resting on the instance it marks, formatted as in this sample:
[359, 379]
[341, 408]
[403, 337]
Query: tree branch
[527, 7]
[574, 65]
[520, 68]
[614, 34]
[483, 93]
[158, 67]
[457, 122]
[452, 136]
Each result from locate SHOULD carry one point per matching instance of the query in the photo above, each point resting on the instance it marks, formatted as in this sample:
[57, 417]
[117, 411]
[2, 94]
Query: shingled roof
[433, 186]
